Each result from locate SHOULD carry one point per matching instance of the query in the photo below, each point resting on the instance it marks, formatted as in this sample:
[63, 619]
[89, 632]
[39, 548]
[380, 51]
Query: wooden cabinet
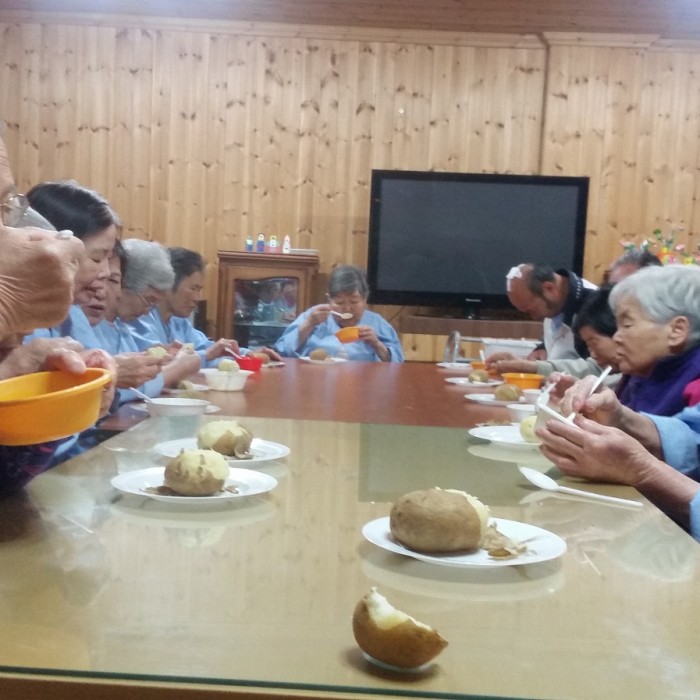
[259, 294]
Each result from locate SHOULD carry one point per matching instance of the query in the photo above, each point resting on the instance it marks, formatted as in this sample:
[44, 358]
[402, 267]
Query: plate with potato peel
[503, 435]
[490, 399]
[149, 483]
[539, 545]
[465, 381]
[327, 361]
[455, 366]
[262, 450]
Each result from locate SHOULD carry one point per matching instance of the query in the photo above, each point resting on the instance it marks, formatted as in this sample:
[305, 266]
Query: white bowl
[531, 395]
[226, 381]
[176, 407]
[518, 411]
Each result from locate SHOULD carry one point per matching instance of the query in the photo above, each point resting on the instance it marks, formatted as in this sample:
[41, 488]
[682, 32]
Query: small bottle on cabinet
[249, 243]
[260, 246]
[286, 245]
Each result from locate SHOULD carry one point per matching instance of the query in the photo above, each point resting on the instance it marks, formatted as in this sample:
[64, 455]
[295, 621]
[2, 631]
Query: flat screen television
[448, 239]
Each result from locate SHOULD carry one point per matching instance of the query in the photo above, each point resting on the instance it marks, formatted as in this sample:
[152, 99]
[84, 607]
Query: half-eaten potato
[391, 636]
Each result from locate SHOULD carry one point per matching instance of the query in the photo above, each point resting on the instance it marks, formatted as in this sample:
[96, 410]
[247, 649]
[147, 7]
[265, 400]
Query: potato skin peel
[435, 521]
[406, 645]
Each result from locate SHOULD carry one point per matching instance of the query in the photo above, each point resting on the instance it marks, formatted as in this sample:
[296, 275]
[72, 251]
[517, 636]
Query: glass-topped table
[255, 596]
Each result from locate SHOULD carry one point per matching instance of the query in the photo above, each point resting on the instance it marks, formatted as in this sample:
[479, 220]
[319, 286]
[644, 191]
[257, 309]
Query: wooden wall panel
[201, 135]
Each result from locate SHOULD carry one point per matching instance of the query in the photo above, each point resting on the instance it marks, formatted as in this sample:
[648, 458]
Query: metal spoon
[344, 316]
[548, 484]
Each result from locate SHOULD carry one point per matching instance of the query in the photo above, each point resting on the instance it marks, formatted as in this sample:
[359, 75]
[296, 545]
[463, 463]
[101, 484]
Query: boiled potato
[318, 354]
[479, 375]
[185, 385]
[437, 520]
[508, 392]
[527, 428]
[391, 636]
[228, 365]
[157, 351]
[196, 473]
[261, 356]
[227, 437]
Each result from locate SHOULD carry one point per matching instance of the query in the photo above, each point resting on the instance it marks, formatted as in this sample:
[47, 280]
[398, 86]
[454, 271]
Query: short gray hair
[347, 279]
[663, 293]
[148, 265]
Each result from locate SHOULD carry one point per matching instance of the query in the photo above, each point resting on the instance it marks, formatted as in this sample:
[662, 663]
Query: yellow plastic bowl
[523, 379]
[348, 335]
[49, 405]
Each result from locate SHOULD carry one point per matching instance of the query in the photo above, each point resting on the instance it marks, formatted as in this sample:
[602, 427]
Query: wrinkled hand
[502, 366]
[219, 348]
[136, 368]
[602, 407]
[43, 354]
[318, 314]
[596, 452]
[272, 354]
[496, 357]
[103, 360]
[37, 271]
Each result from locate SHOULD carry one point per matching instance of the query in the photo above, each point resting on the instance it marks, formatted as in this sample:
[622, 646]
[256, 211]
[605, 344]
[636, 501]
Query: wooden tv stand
[424, 337]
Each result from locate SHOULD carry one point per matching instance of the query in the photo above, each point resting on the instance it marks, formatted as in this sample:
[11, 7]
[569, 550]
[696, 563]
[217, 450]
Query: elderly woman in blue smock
[317, 326]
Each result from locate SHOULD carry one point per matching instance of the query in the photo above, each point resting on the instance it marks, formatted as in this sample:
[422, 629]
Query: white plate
[329, 361]
[455, 366]
[195, 387]
[248, 483]
[263, 450]
[272, 363]
[489, 399]
[141, 406]
[465, 381]
[542, 545]
[503, 435]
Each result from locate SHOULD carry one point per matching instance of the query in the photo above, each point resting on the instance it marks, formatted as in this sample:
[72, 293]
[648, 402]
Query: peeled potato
[508, 392]
[228, 366]
[479, 375]
[527, 428]
[227, 437]
[437, 520]
[196, 473]
[261, 356]
[392, 636]
[318, 354]
[157, 351]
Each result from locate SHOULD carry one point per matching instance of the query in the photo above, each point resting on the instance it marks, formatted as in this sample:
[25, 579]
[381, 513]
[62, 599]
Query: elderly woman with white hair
[658, 337]
[140, 275]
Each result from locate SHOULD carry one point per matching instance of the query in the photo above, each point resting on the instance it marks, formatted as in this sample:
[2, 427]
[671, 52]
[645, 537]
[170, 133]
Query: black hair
[185, 262]
[596, 313]
[535, 276]
[120, 252]
[70, 206]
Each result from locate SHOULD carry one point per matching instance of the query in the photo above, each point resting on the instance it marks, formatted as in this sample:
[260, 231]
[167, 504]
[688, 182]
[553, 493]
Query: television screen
[449, 239]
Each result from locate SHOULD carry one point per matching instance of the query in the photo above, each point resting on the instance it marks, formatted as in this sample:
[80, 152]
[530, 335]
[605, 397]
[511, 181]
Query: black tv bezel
[471, 303]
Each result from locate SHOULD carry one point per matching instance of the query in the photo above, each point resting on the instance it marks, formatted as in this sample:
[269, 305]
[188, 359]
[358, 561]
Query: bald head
[536, 290]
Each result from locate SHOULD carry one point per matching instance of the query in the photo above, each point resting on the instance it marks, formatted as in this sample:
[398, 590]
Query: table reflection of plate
[194, 387]
[542, 545]
[466, 382]
[141, 407]
[262, 450]
[503, 435]
[455, 366]
[328, 361]
[245, 481]
[489, 399]
[531, 458]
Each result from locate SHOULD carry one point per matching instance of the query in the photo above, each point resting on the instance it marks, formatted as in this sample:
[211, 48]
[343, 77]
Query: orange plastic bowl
[49, 405]
[348, 335]
[523, 380]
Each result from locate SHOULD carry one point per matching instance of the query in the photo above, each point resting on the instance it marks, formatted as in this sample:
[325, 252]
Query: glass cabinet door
[263, 308]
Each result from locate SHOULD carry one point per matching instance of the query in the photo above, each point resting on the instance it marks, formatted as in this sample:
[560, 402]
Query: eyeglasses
[148, 304]
[13, 208]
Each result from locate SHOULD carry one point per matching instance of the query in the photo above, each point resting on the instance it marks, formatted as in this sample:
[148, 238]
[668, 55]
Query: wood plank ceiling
[673, 20]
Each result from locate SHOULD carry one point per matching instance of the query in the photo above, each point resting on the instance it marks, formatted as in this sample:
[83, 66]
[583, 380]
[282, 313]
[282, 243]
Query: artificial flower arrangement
[666, 249]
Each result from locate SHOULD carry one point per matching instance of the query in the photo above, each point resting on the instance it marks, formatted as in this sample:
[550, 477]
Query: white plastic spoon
[344, 316]
[548, 484]
[593, 390]
[140, 394]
